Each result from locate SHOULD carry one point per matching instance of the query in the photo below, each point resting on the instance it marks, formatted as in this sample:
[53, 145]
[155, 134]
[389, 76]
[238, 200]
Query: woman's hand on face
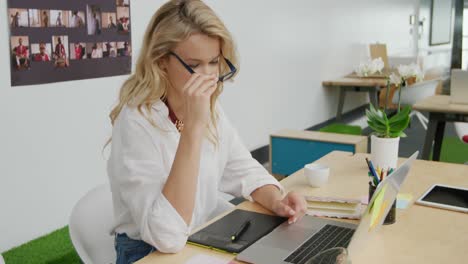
[197, 95]
[293, 206]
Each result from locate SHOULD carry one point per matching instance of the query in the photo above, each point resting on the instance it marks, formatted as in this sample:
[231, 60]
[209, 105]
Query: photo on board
[41, 51]
[34, 18]
[18, 17]
[61, 51]
[45, 18]
[123, 19]
[78, 51]
[94, 50]
[20, 52]
[58, 18]
[109, 49]
[124, 49]
[122, 2]
[77, 18]
[93, 14]
[109, 20]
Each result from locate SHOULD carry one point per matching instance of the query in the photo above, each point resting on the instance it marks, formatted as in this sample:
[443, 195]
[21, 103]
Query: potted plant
[388, 130]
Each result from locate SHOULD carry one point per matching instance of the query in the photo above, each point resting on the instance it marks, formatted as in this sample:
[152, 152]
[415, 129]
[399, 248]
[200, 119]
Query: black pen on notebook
[240, 231]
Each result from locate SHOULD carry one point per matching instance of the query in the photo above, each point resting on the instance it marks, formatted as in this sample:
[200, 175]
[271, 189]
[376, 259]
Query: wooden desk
[440, 111]
[349, 84]
[420, 235]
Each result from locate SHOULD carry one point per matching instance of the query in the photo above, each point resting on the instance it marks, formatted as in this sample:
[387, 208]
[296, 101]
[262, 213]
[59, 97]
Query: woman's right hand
[197, 96]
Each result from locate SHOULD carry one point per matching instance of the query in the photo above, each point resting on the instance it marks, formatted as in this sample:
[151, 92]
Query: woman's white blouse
[139, 164]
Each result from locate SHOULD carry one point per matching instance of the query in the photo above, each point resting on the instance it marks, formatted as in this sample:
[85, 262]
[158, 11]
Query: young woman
[173, 148]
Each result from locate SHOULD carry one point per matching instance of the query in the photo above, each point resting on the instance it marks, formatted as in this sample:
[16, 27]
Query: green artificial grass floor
[342, 129]
[453, 150]
[53, 248]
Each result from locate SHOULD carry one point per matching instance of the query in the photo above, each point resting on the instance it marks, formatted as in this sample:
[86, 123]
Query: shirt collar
[161, 106]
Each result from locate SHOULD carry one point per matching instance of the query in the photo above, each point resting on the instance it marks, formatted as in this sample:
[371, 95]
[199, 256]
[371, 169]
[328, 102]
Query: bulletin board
[57, 40]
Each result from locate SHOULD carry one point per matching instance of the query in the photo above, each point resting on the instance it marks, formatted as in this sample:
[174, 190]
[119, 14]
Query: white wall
[289, 47]
[437, 55]
[51, 135]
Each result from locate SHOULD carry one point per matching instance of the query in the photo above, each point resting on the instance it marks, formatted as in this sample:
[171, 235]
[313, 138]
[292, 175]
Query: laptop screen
[379, 206]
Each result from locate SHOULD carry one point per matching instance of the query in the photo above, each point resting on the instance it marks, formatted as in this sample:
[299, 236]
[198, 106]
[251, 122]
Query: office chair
[89, 226]
[414, 93]
[462, 132]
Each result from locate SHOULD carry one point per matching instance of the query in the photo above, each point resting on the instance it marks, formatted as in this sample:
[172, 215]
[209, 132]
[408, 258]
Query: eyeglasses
[225, 77]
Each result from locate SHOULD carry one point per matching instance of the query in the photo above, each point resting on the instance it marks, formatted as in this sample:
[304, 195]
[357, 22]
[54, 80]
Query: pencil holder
[391, 216]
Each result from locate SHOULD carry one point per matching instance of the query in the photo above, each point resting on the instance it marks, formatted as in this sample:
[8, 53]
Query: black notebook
[218, 234]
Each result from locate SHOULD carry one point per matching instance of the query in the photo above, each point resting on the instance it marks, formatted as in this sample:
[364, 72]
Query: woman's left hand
[293, 206]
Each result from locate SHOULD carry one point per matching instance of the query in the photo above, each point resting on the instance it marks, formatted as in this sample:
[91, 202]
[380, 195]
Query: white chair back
[461, 129]
[89, 226]
[416, 92]
[1, 260]
[396, 61]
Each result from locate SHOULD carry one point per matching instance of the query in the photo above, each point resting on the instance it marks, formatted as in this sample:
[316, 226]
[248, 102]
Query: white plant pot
[384, 152]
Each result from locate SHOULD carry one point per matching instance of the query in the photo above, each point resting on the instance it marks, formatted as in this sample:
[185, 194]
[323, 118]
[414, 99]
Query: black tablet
[446, 197]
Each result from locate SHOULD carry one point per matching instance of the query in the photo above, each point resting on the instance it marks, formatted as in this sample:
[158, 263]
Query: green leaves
[389, 128]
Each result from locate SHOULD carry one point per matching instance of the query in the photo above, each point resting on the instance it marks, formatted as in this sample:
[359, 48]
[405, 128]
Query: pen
[372, 170]
[371, 179]
[240, 231]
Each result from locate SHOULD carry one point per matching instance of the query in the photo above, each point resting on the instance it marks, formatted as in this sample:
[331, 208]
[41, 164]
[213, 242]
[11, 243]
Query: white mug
[316, 174]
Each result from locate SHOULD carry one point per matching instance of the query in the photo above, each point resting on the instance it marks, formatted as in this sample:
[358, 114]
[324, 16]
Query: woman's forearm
[267, 195]
[181, 185]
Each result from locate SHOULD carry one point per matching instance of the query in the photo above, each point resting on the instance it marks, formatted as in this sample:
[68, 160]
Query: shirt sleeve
[141, 180]
[242, 174]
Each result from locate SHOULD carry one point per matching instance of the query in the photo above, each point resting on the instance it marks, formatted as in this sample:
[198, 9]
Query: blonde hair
[172, 23]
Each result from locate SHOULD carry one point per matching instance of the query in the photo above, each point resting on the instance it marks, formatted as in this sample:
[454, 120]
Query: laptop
[299, 242]
[459, 87]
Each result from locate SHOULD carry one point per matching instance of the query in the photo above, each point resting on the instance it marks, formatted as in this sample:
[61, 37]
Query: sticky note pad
[404, 200]
[378, 207]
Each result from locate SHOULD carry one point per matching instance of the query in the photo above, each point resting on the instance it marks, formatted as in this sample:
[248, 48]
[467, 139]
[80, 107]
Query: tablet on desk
[446, 197]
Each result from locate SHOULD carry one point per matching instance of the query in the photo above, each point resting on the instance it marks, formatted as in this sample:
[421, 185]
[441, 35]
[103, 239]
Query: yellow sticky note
[378, 207]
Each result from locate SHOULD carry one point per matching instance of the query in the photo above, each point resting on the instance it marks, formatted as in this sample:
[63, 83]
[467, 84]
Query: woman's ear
[163, 63]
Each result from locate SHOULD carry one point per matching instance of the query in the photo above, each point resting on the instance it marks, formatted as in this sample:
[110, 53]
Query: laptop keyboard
[329, 236]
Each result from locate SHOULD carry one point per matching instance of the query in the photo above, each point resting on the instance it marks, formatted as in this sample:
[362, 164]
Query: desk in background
[290, 149]
[440, 111]
[420, 235]
[352, 84]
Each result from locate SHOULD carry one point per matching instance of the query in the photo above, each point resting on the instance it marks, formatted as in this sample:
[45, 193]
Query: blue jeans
[129, 250]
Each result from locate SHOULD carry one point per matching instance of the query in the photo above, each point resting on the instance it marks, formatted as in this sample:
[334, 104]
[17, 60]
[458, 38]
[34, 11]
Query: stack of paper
[333, 207]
